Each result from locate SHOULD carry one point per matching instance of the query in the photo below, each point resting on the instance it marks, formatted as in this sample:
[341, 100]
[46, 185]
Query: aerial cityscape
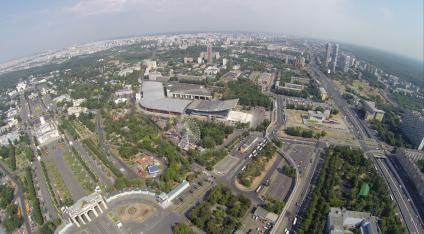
[212, 132]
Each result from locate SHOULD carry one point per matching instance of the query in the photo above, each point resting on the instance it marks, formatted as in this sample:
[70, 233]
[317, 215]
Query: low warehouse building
[340, 220]
[187, 91]
[266, 215]
[371, 112]
[166, 198]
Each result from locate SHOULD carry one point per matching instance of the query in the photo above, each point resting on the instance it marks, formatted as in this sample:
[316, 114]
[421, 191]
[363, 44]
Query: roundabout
[128, 212]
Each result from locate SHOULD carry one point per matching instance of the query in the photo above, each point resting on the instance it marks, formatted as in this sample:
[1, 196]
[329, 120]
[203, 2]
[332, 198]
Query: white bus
[294, 221]
[259, 189]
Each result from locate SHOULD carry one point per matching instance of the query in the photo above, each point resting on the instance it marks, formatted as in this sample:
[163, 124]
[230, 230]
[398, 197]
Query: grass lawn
[80, 173]
[57, 182]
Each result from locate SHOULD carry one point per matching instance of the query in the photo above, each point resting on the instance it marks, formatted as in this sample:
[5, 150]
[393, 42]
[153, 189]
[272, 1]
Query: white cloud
[95, 7]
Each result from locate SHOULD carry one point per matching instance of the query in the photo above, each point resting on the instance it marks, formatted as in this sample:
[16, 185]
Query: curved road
[21, 200]
[277, 224]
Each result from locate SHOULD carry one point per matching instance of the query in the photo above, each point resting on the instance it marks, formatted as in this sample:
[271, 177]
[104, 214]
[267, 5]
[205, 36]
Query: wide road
[407, 212]
[304, 182]
[342, 105]
[278, 227]
[362, 132]
[231, 178]
[39, 181]
[271, 133]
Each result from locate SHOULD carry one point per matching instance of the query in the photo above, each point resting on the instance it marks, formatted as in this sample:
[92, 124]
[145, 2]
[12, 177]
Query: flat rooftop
[339, 219]
[176, 87]
[212, 105]
[238, 116]
[371, 106]
[154, 98]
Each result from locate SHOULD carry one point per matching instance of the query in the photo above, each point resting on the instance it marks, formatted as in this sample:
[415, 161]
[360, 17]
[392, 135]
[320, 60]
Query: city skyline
[148, 134]
[386, 25]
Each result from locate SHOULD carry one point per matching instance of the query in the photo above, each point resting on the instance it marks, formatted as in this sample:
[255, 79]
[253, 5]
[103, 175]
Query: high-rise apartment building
[412, 127]
[346, 63]
[327, 55]
[334, 59]
[209, 54]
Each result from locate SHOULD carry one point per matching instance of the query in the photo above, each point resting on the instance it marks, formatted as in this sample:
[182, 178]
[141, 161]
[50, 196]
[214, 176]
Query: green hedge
[36, 210]
[90, 172]
[49, 186]
[89, 143]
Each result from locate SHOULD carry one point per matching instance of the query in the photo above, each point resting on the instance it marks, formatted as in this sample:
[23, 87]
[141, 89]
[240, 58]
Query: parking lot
[279, 185]
[306, 157]
[252, 224]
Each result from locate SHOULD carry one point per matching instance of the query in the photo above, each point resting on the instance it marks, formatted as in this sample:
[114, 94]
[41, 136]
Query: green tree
[209, 142]
[182, 228]
[6, 195]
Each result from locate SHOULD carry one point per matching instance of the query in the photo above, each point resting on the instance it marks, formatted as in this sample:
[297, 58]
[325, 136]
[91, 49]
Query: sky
[32, 26]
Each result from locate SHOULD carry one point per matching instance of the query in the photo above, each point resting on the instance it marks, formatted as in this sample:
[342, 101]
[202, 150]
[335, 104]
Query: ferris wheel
[189, 130]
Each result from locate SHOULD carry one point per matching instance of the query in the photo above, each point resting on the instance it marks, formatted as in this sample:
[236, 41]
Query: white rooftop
[154, 98]
[238, 116]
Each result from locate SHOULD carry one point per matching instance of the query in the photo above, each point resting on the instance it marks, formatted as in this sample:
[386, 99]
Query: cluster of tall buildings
[333, 60]
[332, 53]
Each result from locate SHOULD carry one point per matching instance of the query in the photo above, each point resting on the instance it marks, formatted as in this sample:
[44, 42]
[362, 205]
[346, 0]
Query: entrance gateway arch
[78, 212]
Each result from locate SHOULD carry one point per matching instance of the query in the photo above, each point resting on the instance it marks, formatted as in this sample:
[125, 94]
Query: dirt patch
[132, 212]
[294, 118]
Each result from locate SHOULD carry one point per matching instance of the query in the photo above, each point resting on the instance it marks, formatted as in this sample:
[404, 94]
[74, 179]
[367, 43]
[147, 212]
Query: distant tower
[286, 59]
[210, 54]
[327, 56]
[346, 64]
[335, 54]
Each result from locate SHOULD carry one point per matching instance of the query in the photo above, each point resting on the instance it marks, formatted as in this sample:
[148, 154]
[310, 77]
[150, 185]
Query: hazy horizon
[33, 27]
[195, 32]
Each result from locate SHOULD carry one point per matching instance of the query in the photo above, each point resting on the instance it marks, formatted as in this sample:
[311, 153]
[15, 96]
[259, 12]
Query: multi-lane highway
[397, 189]
[408, 215]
